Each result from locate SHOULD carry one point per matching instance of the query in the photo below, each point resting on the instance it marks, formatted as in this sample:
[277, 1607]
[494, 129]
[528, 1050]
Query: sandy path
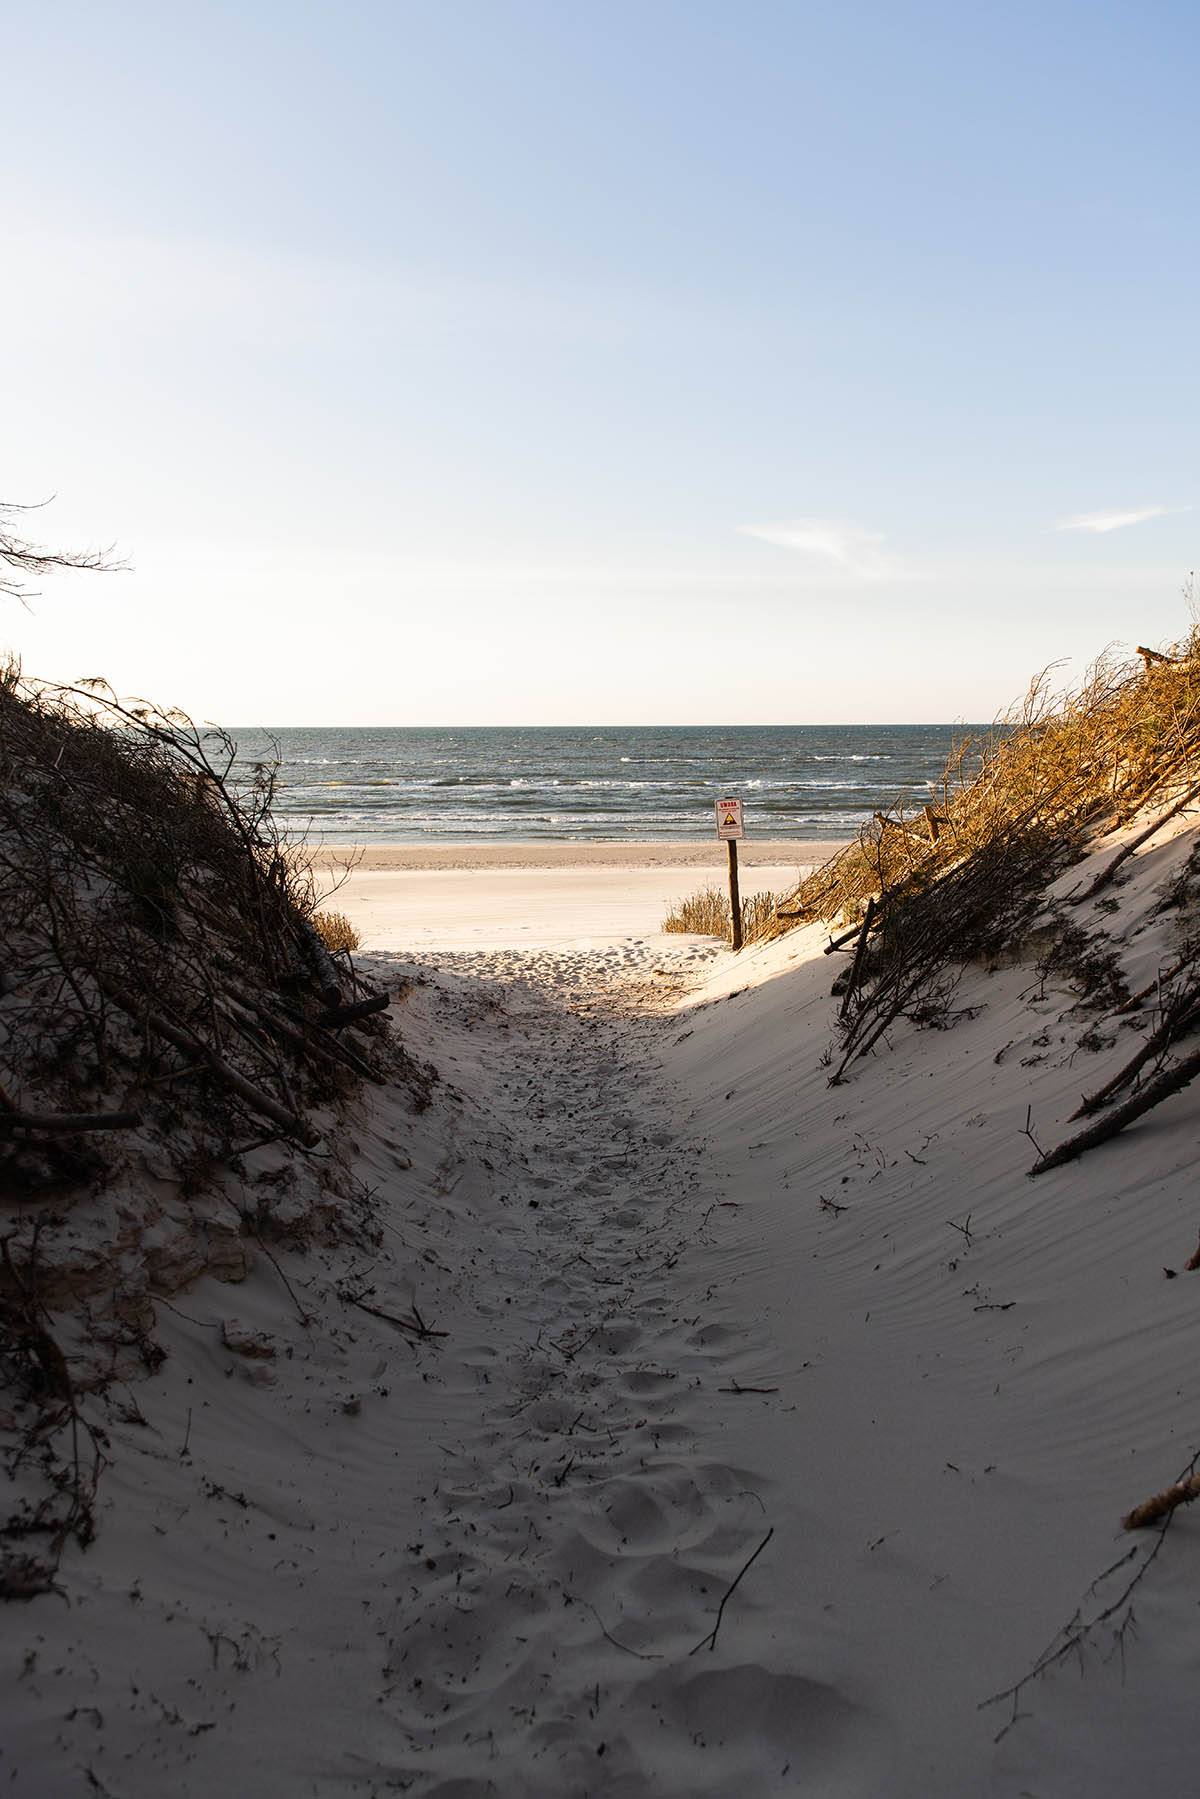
[584, 1530]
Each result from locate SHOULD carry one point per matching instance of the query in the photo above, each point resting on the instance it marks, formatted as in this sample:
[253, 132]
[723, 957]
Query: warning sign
[729, 819]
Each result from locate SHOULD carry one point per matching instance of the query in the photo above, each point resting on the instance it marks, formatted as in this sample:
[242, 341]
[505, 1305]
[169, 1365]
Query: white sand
[516, 853]
[520, 908]
[491, 1563]
[540, 895]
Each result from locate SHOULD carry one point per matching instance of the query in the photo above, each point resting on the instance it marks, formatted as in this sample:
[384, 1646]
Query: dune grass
[707, 913]
[960, 874]
[335, 931]
[1055, 766]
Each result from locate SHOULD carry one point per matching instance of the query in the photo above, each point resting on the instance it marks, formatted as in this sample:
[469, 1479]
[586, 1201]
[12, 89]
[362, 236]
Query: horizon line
[836, 725]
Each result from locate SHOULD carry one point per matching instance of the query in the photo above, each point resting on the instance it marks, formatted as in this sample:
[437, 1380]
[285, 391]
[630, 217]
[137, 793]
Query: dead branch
[252, 1096]
[1161, 1505]
[416, 1324]
[859, 953]
[334, 1020]
[313, 1041]
[1152, 1094]
[26, 558]
[1135, 843]
[1181, 1017]
[710, 1641]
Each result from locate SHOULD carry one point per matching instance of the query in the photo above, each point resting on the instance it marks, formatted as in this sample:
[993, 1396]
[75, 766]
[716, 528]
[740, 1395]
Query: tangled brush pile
[178, 1049]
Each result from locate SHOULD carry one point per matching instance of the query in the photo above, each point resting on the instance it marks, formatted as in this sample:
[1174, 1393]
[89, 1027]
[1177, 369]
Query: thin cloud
[1115, 521]
[852, 549]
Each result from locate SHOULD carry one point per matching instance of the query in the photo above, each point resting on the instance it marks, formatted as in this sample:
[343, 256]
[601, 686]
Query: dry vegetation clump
[335, 931]
[934, 884]
[1055, 765]
[707, 913]
[176, 1040]
[163, 972]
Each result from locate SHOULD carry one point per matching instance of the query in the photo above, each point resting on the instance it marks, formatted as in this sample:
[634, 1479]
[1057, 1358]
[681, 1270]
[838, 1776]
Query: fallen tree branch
[1152, 1094]
[253, 1096]
[1135, 843]
[314, 1040]
[1181, 1017]
[337, 1016]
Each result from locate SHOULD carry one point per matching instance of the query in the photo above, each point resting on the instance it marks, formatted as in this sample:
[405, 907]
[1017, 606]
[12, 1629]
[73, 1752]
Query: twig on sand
[736, 1388]
[710, 1641]
[1072, 1637]
[1028, 1132]
[643, 1655]
[416, 1325]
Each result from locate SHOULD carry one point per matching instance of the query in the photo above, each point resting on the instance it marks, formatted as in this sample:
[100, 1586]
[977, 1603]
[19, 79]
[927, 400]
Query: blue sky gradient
[525, 362]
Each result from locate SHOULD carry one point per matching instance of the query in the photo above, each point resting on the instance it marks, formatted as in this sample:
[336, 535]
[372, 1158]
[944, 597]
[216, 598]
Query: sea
[634, 783]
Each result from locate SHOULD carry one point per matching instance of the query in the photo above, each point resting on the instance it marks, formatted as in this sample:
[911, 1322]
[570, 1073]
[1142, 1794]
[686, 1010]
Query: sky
[614, 361]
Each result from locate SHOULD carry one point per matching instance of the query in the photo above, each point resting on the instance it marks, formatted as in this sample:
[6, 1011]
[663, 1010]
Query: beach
[537, 895]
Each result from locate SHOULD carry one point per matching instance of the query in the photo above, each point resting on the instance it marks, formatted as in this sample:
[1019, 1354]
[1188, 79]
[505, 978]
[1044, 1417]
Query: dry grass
[707, 914]
[1055, 766]
[335, 931]
[960, 874]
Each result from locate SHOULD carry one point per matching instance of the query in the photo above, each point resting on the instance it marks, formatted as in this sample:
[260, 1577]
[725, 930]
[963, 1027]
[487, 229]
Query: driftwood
[1161, 1505]
[337, 1016]
[69, 1122]
[258, 1101]
[1162, 1087]
[1135, 843]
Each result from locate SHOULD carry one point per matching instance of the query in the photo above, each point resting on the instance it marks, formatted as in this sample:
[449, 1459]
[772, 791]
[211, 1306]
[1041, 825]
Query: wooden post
[735, 898]
[856, 965]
